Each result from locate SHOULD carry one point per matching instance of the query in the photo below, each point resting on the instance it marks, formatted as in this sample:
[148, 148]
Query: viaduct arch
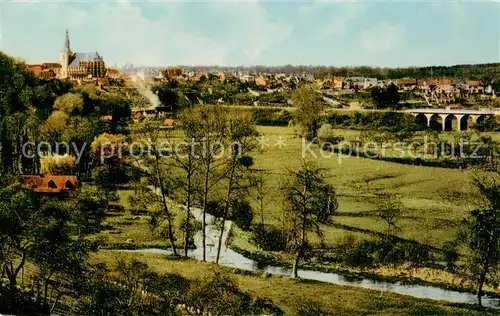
[447, 116]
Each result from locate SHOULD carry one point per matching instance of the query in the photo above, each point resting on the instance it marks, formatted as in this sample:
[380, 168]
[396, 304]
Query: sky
[233, 33]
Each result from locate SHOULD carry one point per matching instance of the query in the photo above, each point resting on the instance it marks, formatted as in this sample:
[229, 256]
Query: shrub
[269, 238]
[242, 214]
[368, 253]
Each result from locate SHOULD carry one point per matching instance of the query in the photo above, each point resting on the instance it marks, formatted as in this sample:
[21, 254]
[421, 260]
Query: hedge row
[440, 163]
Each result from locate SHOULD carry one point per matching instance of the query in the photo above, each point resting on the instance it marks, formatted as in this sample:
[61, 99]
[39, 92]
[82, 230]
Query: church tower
[64, 57]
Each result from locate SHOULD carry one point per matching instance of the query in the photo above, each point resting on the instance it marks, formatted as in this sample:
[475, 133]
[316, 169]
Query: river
[230, 258]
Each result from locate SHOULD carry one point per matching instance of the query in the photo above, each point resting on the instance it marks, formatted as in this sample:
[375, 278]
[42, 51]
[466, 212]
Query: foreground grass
[285, 292]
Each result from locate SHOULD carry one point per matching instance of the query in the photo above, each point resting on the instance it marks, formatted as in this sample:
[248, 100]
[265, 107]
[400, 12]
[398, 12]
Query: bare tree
[240, 139]
[209, 122]
[185, 158]
[158, 169]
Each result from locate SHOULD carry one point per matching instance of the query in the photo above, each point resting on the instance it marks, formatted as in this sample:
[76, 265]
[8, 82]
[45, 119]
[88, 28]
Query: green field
[435, 199]
[125, 229]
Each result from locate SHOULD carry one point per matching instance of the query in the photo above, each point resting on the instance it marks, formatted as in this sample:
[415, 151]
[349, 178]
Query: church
[80, 65]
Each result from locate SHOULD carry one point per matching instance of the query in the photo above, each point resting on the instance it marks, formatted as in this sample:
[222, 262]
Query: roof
[51, 65]
[406, 81]
[474, 83]
[444, 81]
[168, 122]
[79, 57]
[35, 68]
[260, 81]
[106, 118]
[50, 183]
[137, 115]
[428, 82]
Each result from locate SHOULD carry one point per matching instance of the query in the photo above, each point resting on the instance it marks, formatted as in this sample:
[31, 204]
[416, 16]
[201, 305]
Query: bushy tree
[69, 103]
[242, 214]
[310, 107]
[386, 97]
[481, 233]
[309, 201]
[58, 165]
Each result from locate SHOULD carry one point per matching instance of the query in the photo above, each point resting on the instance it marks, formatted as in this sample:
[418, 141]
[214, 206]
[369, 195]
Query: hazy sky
[157, 33]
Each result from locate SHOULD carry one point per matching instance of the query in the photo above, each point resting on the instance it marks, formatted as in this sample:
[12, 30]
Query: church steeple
[66, 41]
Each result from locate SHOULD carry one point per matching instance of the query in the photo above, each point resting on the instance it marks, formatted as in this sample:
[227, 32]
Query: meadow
[434, 199]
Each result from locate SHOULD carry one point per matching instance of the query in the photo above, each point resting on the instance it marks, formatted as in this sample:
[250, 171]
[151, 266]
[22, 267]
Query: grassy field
[435, 199]
[122, 229]
[285, 292]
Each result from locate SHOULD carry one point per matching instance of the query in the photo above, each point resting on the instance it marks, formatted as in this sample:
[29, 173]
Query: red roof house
[50, 184]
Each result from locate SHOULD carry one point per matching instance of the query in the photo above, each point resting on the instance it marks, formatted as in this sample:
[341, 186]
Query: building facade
[80, 65]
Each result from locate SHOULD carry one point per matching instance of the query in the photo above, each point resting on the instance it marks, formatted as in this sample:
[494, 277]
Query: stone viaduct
[464, 118]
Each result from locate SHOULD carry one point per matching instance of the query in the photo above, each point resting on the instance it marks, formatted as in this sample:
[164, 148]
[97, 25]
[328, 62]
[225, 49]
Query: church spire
[66, 41]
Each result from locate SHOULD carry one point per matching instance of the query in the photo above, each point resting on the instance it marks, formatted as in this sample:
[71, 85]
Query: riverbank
[389, 274]
[285, 292]
[401, 274]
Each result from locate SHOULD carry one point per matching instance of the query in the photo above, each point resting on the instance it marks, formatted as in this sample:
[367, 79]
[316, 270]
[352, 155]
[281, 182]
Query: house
[221, 76]
[475, 86]
[137, 117]
[260, 81]
[427, 84]
[47, 74]
[406, 83]
[168, 123]
[113, 73]
[60, 185]
[361, 82]
[35, 69]
[197, 76]
[338, 83]
[327, 83]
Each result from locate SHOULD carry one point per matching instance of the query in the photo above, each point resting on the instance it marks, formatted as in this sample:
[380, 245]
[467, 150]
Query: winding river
[233, 259]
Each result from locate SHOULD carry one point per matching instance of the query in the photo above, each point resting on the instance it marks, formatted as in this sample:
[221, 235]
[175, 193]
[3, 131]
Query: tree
[133, 289]
[310, 107]
[259, 193]
[390, 211]
[386, 97]
[240, 141]
[186, 160]
[18, 220]
[481, 233]
[55, 125]
[61, 259]
[211, 124]
[159, 172]
[309, 201]
[242, 214]
[69, 103]
[58, 165]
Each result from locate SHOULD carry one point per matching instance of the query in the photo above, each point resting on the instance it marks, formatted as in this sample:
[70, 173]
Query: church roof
[79, 57]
